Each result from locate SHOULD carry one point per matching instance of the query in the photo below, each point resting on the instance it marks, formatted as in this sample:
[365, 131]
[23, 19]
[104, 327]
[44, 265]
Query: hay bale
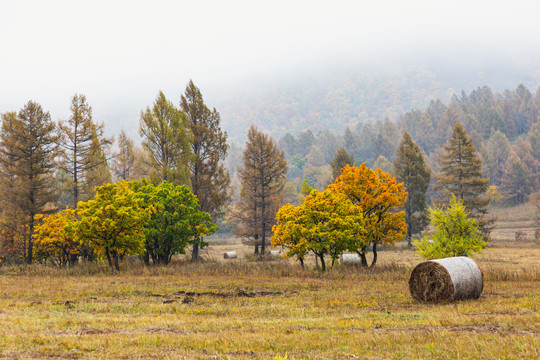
[230, 255]
[350, 259]
[446, 279]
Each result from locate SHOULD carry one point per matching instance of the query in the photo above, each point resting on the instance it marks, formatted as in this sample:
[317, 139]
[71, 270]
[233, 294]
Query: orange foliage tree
[378, 194]
[54, 239]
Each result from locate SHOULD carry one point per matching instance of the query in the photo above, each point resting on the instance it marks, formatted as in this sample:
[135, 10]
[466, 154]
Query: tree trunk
[195, 252]
[108, 255]
[362, 254]
[374, 256]
[116, 265]
[323, 265]
[301, 262]
[256, 249]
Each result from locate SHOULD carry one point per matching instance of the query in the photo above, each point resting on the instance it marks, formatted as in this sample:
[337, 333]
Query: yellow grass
[267, 309]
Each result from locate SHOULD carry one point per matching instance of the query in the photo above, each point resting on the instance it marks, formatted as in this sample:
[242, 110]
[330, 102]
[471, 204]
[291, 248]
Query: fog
[120, 54]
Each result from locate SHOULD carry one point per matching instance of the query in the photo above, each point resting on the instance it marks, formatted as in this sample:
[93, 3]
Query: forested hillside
[504, 127]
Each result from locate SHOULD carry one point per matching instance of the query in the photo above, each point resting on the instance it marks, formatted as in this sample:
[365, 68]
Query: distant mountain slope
[348, 97]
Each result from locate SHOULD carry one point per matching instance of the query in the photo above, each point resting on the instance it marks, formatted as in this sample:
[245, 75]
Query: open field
[271, 309]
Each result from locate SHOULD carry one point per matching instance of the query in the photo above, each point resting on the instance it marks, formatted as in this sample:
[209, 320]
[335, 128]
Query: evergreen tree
[124, 160]
[166, 139]
[210, 181]
[410, 168]
[81, 141]
[341, 158]
[263, 180]
[461, 175]
[28, 148]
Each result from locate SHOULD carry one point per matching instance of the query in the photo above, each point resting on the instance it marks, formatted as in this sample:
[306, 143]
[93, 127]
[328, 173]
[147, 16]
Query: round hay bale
[230, 255]
[446, 279]
[350, 259]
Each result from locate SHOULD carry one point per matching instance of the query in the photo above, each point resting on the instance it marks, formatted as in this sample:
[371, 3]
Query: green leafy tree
[166, 139]
[326, 223]
[82, 144]
[341, 158]
[455, 233]
[210, 180]
[27, 152]
[113, 222]
[461, 175]
[176, 220]
[263, 177]
[410, 169]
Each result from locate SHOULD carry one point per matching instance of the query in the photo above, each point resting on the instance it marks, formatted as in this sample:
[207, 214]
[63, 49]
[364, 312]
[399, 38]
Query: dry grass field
[244, 309]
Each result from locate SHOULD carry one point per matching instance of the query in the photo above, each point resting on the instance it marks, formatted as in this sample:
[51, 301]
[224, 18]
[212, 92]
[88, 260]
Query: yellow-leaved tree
[325, 223]
[378, 195]
[113, 222]
[54, 238]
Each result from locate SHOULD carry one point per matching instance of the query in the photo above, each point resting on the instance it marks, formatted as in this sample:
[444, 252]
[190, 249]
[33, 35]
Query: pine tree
[410, 169]
[28, 150]
[461, 175]
[341, 158]
[124, 160]
[263, 180]
[80, 139]
[166, 139]
[210, 181]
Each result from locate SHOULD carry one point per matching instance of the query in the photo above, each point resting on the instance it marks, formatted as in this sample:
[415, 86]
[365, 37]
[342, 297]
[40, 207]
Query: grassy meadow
[244, 309]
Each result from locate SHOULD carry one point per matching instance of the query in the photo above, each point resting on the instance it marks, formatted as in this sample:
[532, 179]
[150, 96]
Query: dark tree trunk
[256, 249]
[116, 265]
[374, 256]
[195, 252]
[301, 262]
[108, 255]
[362, 254]
[323, 265]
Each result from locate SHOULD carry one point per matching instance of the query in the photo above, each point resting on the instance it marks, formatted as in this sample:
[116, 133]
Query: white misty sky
[121, 53]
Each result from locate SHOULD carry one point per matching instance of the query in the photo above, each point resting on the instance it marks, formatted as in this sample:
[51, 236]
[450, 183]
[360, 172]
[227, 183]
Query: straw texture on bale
[350, 259]
[446, 279]
[230, 255]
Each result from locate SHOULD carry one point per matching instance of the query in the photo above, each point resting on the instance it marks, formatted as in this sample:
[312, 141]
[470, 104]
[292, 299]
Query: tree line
[327, 189]
[47, 166]
[504, 128]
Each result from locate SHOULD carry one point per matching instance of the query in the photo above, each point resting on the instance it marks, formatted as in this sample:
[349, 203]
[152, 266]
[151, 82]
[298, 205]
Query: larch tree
[81, 139]
[97, 172]
[166, 139]
[28, 148]
[210, 180]
[262, 176]
[411, 169]
[341, 158]
[123, 161]
[461, 175]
